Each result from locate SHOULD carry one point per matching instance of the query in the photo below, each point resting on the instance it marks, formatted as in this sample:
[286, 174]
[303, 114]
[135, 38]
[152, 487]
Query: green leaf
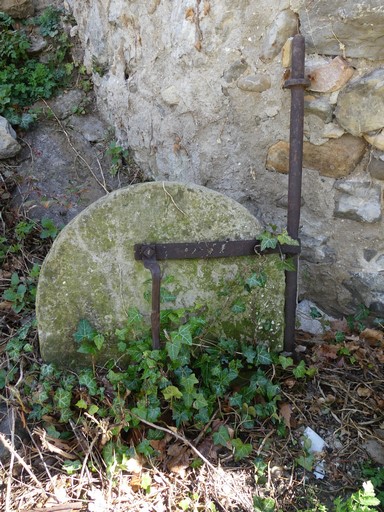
[249, 353]
[87, 379]
[285, 361]
[173, 348]
[171, 392]
[188, 383]
[263, 355]
[183, 335]
[264, 504]
[93, 409]
[242, 450]
[284, 238]
[306, 461]
[71, 466]
[82, 404]
[221, 437]
[3, 378]
[256, 280]
[84, 331]
[99, 341]
[238, 307]
[63, 398]
[200, 402]
[300, 371]
[146, 482]
[267, 241]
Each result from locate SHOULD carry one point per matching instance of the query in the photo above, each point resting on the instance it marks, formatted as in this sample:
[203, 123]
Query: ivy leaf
[82, 404]
[300, 371]
[221, 437]
[99, 341]
[284, 238]
[200, 401]
[87, 379]
[63, 398]
[249, 353]
[242, 450]
[268, 241]
[173, 349]
[238, 307]
[263, 356]
[256, 280]
[285, 361]
[306, 461]
[183, 335]
[188, 383]
[171, 392]
[84, 331]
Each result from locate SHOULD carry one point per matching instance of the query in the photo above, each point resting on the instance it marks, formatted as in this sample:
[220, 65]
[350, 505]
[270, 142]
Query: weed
[22, 292]
[23, 78]
[118, 155]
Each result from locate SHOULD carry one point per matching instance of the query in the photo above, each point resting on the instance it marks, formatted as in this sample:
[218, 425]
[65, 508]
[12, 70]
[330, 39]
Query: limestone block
[360, 107]
[17, 9]
[235, 70]
[91, 273]
[9, 147]
[360, 201]
[332, 131]
[344, 27]
[376, 168]
[319, 107]
[91, 128]
[254, 83]
[331, 77]
[170, 95]
[336, 158]
[284, 26]
[375, 139]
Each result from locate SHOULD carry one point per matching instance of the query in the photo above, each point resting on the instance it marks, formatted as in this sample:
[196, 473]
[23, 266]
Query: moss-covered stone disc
[90, 272]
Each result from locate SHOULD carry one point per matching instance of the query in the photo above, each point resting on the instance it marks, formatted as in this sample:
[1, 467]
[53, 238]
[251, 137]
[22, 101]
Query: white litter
[317, 446]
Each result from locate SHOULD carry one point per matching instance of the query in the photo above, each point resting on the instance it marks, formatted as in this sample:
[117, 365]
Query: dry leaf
[135, 483]
[364, 392]
[190, 14]
[339, 325]
[285, 410]
[290, 383]
[328, 351]
[373, 337]
[178, 460]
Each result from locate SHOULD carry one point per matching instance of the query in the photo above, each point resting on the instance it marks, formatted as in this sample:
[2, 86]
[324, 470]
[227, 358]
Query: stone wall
[194, 87]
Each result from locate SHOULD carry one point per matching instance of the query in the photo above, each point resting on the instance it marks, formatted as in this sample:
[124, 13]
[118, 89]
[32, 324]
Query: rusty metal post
[297, 84]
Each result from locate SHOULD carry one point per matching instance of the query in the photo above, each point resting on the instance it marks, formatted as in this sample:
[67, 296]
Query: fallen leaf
[178, 460]
[339, 325]
[328, 351]
[364, 392]
[285, 411]
[290, 383]
[373, 337]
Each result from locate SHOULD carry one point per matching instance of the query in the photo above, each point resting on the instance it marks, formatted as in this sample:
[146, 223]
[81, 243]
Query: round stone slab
[90, 272]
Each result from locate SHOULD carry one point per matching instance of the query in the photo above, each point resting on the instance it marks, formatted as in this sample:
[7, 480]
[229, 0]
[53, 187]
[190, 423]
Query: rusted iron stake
[297, 83]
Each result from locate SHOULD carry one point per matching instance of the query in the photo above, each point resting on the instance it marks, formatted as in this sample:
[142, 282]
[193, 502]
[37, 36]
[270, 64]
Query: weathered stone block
[284, 26]
[330, 77]
[336, 158]
[91, 273]
[9, 147]
[360, 106]
[376, 168]
[343, 27]
[360, 201]
[254, 83]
